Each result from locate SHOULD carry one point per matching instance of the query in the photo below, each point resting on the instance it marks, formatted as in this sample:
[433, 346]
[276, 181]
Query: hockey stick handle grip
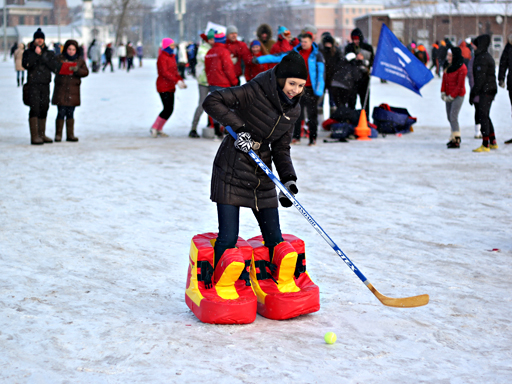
[301, 209]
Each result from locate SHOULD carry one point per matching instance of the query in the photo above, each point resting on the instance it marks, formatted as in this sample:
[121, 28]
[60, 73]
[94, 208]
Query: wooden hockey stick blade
[403, 302]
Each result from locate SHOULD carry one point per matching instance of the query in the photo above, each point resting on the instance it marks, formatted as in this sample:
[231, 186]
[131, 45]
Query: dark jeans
[229, 222]
[308, 102]
[39, 96]
[168, 102]
[484, 109]
[65, 112]
[343, 96]
[108, 62]
[130, 63]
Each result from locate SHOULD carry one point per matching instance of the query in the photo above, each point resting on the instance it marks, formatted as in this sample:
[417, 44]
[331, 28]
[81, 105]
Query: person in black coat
[108, 58]
[39, 62]
[483, 91]
[506, 65]
[344, 82]
[332, 55]
[263, 113]
[364, 59]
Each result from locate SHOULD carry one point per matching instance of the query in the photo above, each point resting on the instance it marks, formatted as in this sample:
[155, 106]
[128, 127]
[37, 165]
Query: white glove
[443, 96]
[449, 99]
[181, 84]
[244, 142]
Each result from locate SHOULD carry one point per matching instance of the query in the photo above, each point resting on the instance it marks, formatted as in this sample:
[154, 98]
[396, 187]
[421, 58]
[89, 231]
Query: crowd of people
[222, 59]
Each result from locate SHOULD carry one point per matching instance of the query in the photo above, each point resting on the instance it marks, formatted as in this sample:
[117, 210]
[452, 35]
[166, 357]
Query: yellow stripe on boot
[285, 258]
[227, 272]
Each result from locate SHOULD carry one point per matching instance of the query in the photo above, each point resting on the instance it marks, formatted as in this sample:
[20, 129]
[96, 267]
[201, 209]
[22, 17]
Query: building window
[21, 20]
[37, 20]
[45, 20]
[347, 22]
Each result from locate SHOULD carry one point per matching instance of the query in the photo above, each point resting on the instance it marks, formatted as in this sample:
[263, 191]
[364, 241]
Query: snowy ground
[94, 238]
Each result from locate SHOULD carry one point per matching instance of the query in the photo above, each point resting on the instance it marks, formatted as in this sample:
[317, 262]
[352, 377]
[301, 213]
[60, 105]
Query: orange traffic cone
[362, 131]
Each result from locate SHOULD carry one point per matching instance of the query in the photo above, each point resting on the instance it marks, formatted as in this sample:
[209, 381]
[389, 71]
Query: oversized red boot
[283, 287]
[223, 296]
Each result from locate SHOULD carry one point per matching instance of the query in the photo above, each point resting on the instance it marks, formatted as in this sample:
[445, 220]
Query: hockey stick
[404, 302]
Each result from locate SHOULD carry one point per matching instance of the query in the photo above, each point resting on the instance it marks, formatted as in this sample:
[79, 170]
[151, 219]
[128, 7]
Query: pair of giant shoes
[281, 288]
[282, 285]
[230, 298]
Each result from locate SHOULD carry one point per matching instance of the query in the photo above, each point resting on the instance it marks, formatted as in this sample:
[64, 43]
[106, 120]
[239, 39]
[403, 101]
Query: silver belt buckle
[256, 145]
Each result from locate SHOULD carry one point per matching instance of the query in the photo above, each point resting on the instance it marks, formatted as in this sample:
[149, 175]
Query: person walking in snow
[121, 54]
[506, 66]
[108, 58]
[18, 67]
[314, 85]
[66, 93]
[168, 78]
[238, 49]
[202, 81]
[130, 54]
[364, 57]
[484, 90]
[140, 52]
[220, 71]
[453, 89]
[94, 53]
[262, 112]
[39, 62]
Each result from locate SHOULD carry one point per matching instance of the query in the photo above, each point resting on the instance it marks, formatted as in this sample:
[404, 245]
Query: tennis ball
[330, 337]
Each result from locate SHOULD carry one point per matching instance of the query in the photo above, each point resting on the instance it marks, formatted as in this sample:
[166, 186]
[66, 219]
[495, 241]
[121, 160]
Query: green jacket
[200, 70]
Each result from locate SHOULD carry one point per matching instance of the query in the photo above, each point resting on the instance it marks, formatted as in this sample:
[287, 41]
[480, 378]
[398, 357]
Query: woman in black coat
[262, 112]
[483, 91]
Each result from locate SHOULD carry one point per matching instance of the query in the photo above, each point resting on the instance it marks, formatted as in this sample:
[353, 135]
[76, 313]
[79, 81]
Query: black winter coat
[40, 67]
[367, 51]
[347, 74]
[254, 107]
[484, 69]
[331, 56]
[506, 65]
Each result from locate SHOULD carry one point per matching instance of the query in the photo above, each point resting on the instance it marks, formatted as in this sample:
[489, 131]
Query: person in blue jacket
[315, 83]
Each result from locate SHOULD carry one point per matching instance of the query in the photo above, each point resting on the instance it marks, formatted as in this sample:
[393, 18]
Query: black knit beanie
[292, 65]
[38, 34]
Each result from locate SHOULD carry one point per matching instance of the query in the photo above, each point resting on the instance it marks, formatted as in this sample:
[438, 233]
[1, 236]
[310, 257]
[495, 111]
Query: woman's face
[293, 87]
[71, 51]
[449, 57]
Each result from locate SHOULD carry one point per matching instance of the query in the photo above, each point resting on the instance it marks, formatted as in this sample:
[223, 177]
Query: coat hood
[357, 32]
[482, 43]
[264, 28]
[457, 60]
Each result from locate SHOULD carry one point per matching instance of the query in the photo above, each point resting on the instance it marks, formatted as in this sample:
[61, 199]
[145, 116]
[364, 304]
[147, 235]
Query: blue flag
[394, 62]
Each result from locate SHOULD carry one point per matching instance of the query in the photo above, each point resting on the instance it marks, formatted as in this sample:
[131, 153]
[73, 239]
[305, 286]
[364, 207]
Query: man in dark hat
[39, 63]
[364, 57]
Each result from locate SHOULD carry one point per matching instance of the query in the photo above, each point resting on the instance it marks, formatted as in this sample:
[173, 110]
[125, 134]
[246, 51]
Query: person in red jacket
[168, 77]
[283, 44]
[453, 90]
[220, 71]
[252, 69]
[238, 49]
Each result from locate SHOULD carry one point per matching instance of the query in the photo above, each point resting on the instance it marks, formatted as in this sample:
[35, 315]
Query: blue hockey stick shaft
[405, 302]
[302, 210]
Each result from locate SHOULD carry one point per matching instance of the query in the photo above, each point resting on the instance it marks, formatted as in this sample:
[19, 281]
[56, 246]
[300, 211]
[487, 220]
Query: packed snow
[95, 236]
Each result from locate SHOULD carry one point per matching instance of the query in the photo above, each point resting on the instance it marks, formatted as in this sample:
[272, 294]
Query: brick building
[33, 12]
[434, 22]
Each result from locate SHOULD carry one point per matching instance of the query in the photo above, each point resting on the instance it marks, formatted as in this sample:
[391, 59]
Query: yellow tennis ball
[330, 337]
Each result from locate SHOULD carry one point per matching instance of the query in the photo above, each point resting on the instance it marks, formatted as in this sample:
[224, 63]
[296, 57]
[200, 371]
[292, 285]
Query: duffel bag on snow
[392, 119]
[341, 131]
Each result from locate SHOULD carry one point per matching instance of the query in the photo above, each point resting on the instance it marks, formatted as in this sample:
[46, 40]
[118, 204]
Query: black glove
[255, 60]
[291, 186]
[244, 142]
[471, 98]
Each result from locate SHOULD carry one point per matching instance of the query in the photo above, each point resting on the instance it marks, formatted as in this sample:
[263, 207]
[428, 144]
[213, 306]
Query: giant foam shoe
[229, 300]
[286, 291]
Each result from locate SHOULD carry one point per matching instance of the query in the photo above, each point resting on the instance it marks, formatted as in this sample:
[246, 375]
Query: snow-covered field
[95, 235]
